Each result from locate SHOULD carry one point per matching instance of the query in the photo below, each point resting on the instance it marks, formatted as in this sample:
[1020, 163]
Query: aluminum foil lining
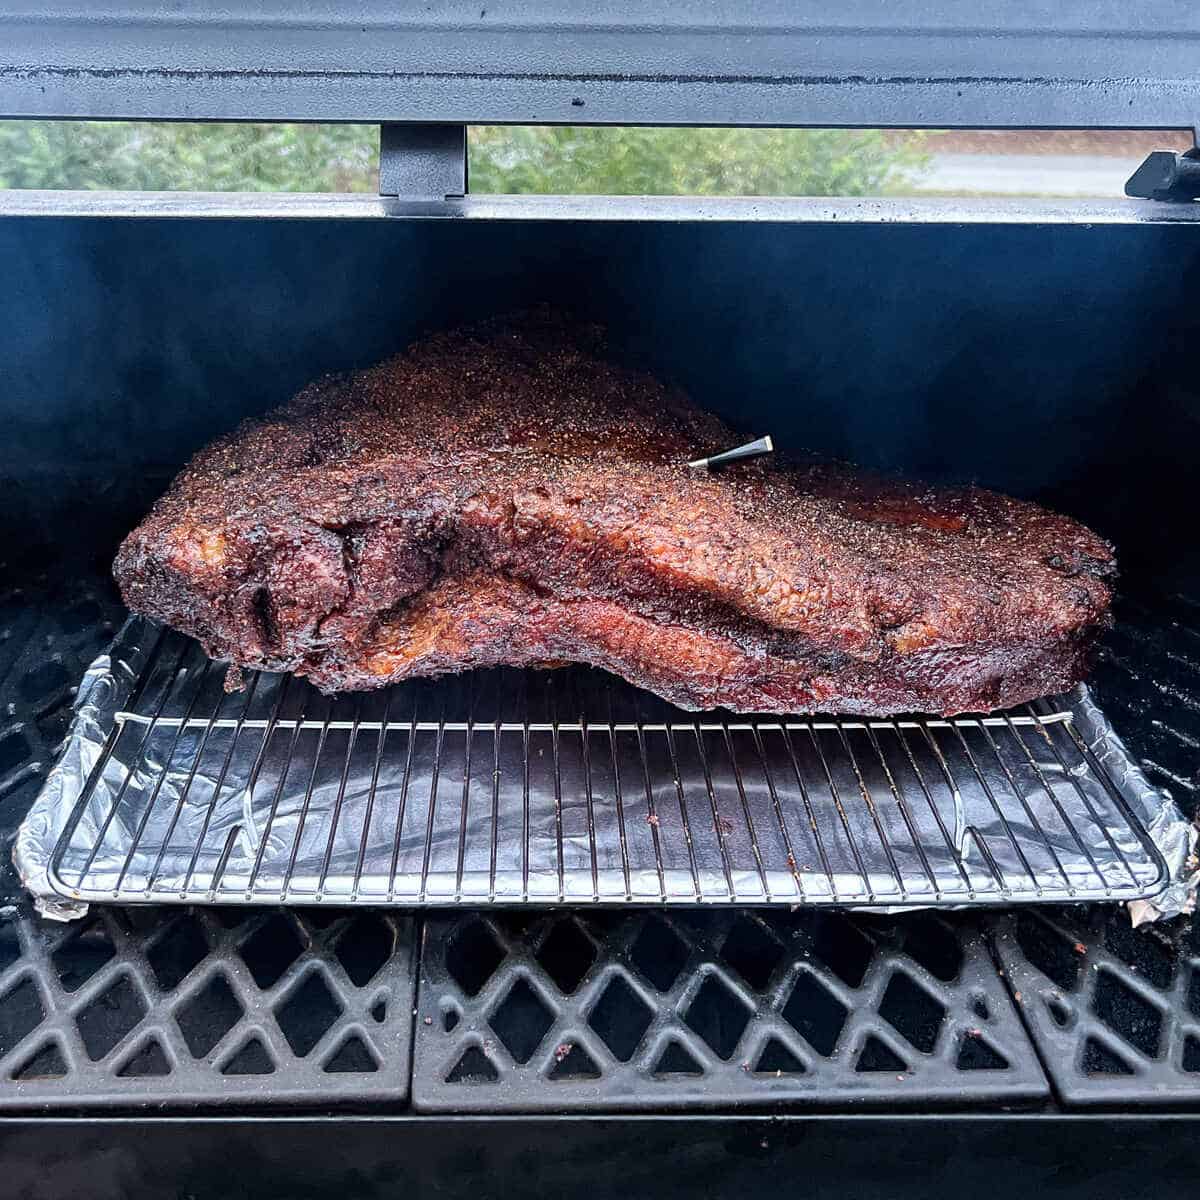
[570, 787]
[1177, 838]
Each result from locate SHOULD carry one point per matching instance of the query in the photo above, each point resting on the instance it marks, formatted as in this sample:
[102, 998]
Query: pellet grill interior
[1032, 363]
[679, 1003]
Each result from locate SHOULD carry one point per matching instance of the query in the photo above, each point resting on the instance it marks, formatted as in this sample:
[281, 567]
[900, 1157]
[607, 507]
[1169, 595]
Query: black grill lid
[1086, 63]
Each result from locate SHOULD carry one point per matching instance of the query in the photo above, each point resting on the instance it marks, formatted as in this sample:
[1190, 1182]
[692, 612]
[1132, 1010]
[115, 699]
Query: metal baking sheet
[569, 787]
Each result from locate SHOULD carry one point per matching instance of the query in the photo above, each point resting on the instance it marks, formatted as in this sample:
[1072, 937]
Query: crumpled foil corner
[104, 684]
[1177, 838]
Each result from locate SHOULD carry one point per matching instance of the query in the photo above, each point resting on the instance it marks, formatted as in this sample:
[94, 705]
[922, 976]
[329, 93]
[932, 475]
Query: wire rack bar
[599, 726]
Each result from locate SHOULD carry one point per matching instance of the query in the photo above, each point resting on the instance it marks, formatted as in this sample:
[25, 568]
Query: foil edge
[1176, 838]
[106, 685]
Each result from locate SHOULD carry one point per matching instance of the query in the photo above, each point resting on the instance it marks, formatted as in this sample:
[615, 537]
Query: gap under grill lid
[566, 787]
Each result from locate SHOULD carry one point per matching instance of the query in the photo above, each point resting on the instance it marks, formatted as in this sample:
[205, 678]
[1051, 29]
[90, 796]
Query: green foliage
[149, 156]
[689, 162]
[322, 158]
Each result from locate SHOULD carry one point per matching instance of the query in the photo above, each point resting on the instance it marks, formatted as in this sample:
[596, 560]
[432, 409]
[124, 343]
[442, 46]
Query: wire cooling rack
[567, 786]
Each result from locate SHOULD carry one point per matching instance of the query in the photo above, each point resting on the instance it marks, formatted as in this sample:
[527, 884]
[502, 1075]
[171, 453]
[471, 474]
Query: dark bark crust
[505, 495]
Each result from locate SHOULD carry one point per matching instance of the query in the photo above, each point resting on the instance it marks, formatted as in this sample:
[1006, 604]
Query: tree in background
[156, 156]
[689, 162]
[553, 159]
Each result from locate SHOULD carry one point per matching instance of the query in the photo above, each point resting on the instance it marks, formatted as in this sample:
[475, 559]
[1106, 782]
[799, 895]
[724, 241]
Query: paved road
[1028, 174]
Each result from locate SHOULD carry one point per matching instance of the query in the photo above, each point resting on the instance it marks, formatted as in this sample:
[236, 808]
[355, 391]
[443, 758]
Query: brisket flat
[505, 495]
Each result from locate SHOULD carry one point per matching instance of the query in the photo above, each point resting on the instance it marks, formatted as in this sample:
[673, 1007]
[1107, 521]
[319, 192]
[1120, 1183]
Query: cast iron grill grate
[221, 1006]
[570, 787]
[595, 1010]
[1114, 1010]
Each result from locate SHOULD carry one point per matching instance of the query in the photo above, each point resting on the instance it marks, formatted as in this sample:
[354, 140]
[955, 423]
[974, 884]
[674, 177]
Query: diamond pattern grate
[1115, 1011]
[130, 1008]
[657, 1010]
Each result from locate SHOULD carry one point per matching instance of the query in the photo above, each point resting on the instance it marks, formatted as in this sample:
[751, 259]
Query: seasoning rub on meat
[504, 494]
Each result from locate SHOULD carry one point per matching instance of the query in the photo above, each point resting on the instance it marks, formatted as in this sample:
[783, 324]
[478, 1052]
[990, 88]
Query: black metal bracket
[424, 162]
[1166, 175]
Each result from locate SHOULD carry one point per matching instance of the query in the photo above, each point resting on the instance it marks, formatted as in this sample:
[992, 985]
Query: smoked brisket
[505, 494]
